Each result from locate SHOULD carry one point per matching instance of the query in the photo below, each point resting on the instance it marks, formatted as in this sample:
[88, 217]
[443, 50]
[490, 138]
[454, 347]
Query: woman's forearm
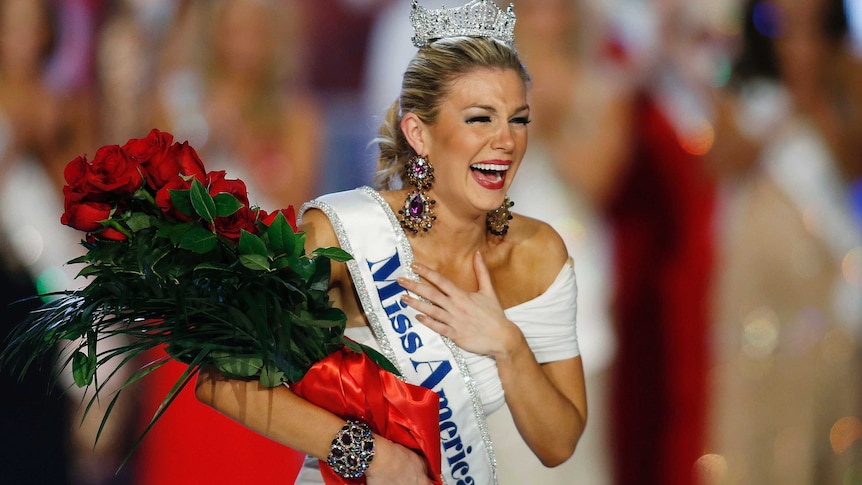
[290, 420]
[275, 412]
[547, 402]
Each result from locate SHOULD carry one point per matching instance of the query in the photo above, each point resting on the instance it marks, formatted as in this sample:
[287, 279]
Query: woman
[786, 312]
[234, 93]
[463, 108]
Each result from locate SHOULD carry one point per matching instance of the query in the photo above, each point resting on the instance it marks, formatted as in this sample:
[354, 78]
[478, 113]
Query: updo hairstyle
[427, 82]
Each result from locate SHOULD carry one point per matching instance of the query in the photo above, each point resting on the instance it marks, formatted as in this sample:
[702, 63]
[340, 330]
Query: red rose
[112, 172]
[289, 214]
[150, 151]
[244, 218]
[166, 204]
[111, 234]
[75, 172]
[85, 215]
[232, 225]
[181, 159]
[217, 184]
[154, 146]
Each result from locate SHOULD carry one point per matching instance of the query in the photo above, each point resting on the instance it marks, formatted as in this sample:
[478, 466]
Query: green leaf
[235, 366]
[281, 263]
[83, 369]
[251, 244]
[281, 235]
[334, 253]
[380, 360]
[175, 232]
[255, 262]
[305, 267]
[319, 279]
[182, 201]
[202, 201]
[299, 249]
[89, 270]
[198, 240]
[226, 204]
[212, 267]
[270, 376]
[138, 221]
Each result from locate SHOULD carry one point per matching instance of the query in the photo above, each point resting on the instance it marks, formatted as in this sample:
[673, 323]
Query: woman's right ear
[415, 133]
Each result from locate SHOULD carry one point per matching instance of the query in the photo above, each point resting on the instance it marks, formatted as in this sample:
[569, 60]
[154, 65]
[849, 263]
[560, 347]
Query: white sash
[368, 229]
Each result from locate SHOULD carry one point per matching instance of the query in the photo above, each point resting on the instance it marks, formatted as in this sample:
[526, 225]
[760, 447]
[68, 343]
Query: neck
[453, 237]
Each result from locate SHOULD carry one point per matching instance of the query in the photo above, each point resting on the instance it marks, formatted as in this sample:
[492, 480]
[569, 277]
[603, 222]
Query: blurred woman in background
[785, 384]
[229, 85]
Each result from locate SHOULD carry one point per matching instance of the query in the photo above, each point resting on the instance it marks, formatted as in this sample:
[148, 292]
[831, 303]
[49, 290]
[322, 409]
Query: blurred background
[701, 158]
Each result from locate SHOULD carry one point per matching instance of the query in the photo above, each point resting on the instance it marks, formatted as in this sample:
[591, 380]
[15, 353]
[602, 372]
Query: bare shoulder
[318, 229]
[538, 253]
[319, 233]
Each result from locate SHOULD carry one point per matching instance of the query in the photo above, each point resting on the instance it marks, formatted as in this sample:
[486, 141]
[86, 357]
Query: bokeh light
[699, 139]
[844, 433]
[760, 333]
[767, 19]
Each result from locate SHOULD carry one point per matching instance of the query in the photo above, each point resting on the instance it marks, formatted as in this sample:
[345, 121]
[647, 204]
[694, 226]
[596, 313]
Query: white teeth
[490, 167]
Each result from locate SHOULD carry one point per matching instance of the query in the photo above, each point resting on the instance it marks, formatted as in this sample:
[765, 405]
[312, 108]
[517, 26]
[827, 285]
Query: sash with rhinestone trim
[368, 229]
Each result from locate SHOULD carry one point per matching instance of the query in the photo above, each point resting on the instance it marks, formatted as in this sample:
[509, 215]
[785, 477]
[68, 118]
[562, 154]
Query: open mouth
[490, 175]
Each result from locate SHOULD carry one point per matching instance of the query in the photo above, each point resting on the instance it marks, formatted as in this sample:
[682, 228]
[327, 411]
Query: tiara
[479, 18]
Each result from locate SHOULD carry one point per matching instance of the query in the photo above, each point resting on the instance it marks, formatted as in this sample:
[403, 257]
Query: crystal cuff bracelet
[352, 450]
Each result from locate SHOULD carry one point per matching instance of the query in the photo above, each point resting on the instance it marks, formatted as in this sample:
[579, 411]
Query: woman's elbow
[558, 456]
[562, 451]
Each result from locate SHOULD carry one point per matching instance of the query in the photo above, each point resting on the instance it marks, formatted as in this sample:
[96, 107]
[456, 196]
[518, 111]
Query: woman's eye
[521, 120]
[479, 119]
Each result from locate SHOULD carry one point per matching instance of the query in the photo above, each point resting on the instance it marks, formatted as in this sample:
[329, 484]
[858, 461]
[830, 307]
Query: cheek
[521, 139]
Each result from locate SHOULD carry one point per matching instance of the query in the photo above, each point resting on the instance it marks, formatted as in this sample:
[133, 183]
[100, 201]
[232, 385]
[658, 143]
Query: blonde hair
[427, 82]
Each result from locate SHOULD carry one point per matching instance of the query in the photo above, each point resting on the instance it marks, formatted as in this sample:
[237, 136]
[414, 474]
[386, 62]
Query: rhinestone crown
[479, 18]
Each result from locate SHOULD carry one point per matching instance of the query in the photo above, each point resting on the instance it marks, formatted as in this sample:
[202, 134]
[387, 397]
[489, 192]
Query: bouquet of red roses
[178, 258]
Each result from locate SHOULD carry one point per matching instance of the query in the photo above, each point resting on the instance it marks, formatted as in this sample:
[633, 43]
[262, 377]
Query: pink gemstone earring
[416, 214]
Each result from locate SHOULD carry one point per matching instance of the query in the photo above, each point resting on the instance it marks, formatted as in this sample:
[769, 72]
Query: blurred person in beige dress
[230, 83]
[785, 383]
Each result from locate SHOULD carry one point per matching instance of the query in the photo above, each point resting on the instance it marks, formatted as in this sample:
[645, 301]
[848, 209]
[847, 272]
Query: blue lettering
[450, 428]
[395, 307]
[460, 456]
[411, 342]
[440, 371]
[383, 274]
[453, 443]
[401, 323]
[387, 288]
[463, 467]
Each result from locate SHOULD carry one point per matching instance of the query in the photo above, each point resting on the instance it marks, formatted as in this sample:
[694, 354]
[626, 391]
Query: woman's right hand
[395, 464]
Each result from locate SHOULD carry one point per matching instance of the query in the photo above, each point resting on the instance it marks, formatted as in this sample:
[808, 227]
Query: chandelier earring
[417, 215]
[498, 219]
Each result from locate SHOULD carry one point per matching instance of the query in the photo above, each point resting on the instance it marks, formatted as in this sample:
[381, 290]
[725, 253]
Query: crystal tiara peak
[479, 18]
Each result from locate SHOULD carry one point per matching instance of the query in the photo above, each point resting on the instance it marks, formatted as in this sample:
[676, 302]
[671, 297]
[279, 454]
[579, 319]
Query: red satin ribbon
[352, 386]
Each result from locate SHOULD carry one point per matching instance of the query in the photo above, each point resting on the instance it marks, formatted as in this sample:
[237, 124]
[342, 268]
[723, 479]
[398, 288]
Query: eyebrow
[525, 107]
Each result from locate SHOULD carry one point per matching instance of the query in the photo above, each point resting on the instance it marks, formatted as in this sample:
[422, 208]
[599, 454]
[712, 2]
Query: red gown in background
[193, 444]
[661, 217]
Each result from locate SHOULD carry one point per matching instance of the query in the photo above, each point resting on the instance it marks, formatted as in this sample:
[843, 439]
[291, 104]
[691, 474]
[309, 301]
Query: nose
[504, 140]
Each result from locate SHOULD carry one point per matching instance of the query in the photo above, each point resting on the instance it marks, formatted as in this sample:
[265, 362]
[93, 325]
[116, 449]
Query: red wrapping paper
[352, 386]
